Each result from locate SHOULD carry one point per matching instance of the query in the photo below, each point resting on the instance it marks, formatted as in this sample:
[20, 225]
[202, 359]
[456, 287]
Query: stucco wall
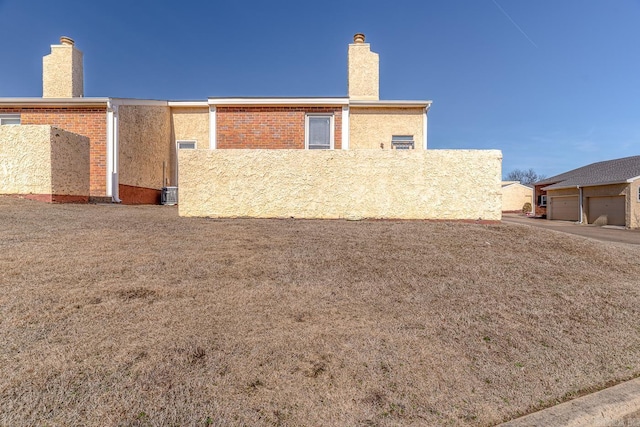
[62, 73]
[634, 204]
[69, 163]
[87, 121]
[191, 124]
[515, 196]
[363, 72]
[562, 192]
[43, 160]
[370, 127]
[434, 184]
[145, 145]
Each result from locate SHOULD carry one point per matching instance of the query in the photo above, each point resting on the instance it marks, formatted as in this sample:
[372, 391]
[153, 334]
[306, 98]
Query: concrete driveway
[605, 234]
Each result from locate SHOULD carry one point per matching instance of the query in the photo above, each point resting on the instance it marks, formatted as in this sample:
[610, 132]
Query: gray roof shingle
[600, 173]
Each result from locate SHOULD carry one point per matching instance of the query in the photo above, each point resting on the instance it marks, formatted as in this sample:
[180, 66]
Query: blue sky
[554, 84]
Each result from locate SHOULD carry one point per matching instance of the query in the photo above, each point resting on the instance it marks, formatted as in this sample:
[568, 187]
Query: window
[402, 142]
[542, 200]
[638, 194]
[9, 119]
[319, 132]
[186, 145]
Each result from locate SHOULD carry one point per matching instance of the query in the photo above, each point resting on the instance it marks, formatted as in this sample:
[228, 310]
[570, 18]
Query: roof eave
[597, 184]
[391, 103]
[27, 102]
[276, 101]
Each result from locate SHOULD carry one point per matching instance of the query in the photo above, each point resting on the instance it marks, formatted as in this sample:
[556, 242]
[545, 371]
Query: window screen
[9, 119]
[402, 142]
[319, 133]
[186, 145]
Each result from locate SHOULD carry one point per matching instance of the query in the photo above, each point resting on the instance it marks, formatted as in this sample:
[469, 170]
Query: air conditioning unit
[169, 196]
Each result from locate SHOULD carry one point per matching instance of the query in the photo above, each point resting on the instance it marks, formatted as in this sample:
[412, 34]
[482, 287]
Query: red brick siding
[269, 127]
[87, 121]
[131, 195]
[540, 210]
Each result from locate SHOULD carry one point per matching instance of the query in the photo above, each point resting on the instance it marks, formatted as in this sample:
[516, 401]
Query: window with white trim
[186, 145]
[638, 199]
[9, 119]
[319, 133]
[542, 200]
[402, 142]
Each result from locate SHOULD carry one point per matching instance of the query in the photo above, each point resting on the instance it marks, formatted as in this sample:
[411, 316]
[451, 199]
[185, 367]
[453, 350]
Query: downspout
[112, 152]
[425, 127]
[345, 127]
[581, 208]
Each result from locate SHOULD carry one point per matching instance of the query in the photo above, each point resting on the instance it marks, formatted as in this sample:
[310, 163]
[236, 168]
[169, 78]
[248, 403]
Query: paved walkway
[606, 234]
[613, 407]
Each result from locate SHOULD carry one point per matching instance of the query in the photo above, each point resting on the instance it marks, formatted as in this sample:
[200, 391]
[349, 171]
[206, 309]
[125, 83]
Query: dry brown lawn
[132, 316]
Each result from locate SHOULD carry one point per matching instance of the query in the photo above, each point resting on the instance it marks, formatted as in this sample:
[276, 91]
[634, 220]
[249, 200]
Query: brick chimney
[62, 71]
[363, 70]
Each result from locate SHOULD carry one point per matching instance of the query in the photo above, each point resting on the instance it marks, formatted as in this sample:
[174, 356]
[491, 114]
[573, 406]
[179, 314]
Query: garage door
[564, 208]
[606, 210]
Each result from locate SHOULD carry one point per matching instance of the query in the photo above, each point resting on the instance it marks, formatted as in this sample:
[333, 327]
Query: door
[607, 210]
[565, 208]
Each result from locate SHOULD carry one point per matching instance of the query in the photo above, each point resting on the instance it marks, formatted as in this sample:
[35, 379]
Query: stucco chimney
[363, 70]
[62, 71]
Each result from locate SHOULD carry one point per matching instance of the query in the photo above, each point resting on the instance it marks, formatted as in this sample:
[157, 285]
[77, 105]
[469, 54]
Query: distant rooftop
[614, 171]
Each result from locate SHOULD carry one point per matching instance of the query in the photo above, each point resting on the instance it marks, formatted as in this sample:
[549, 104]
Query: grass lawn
[114, 315]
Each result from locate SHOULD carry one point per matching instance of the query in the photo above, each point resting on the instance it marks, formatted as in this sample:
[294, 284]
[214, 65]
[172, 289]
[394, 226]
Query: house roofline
[517, 184]
[188, 103]
[135, 101]
[56, 102]
[391, 103]
[25, 102]
[547, 188]
[311, 101]
[276, 101]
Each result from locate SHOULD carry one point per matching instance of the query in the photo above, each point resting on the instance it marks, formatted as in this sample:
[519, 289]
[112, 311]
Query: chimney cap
[358, 38]
[66, 41]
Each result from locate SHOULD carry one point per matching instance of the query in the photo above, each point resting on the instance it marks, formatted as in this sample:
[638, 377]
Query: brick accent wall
[539, 210]
[269, 127]
[87, 121]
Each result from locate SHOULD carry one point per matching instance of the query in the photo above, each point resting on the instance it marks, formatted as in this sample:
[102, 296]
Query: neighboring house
[603, 193]
[136, 147]
[515, 195]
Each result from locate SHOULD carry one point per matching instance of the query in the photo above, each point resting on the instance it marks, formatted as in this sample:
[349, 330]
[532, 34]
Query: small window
[402, 142]
[9, 119]
[638, 194]
[186, 145]
[542, 200]
[319, 132]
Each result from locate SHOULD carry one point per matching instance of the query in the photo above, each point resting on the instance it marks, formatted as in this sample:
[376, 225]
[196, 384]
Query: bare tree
[526, 177]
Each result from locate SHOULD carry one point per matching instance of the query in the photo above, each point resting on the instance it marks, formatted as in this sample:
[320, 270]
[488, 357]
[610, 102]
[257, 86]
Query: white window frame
[638, 194]
[543, 200]
[12, 117]
[331, 129]
[188, 141]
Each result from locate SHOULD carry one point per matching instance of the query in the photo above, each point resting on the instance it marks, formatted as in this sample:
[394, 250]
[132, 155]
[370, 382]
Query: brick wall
[87, 121]
[269, 127]
[539, 210]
